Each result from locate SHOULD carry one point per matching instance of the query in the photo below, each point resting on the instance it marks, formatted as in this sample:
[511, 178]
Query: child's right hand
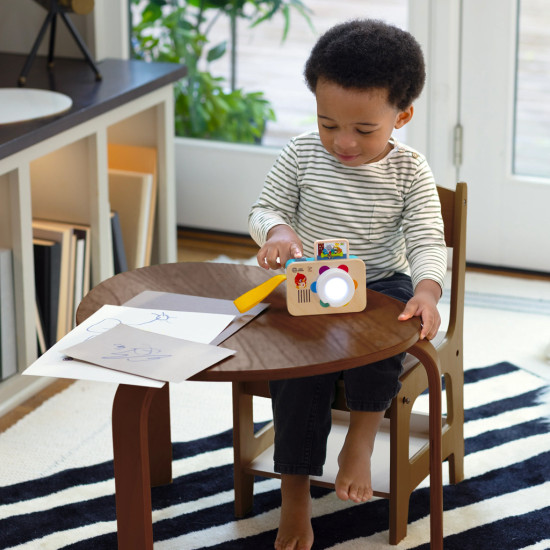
[282, 244]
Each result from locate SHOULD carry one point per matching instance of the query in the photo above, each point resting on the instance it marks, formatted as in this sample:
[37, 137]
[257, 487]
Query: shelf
[123, 81]
[57, 168]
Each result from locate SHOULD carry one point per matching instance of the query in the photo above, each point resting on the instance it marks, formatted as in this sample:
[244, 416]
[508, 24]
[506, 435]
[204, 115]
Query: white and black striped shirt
[389, 210]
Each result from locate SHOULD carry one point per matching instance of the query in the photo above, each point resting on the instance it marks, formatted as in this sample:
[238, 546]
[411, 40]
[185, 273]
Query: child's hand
[282, 244]
[424, 305]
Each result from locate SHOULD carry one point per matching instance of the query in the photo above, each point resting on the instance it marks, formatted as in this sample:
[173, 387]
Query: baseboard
[185, 232]
[508, 271]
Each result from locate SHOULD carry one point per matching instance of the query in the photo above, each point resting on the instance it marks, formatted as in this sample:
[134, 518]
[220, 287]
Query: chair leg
[244, 493]
[400, 418]
[454, 384]
[399, 516]
[456, 467]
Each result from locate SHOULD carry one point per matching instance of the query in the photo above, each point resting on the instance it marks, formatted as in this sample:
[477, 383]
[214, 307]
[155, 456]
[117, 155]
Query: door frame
[436, 24]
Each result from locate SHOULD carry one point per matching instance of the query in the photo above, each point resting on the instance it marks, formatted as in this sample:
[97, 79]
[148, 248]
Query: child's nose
[345, 140]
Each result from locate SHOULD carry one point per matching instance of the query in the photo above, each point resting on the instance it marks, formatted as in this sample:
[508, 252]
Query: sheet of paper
[186, 302]
[136, 351]
[168, 322]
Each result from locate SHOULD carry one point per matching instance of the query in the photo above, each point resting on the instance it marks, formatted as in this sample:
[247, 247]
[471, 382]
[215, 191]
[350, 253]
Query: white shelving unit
[58, 169]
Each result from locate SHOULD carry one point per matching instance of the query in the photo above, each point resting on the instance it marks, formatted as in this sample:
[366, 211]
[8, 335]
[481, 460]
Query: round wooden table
[274, 345]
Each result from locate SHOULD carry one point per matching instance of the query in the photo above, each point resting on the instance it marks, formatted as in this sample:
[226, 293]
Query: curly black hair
[367, 53]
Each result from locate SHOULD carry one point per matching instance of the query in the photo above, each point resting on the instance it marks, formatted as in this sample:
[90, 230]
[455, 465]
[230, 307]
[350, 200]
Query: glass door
[505, 121]
[269, 64]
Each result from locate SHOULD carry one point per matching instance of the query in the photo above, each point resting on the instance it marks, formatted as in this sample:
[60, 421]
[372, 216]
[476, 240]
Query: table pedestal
[427, 355]
[142, 450]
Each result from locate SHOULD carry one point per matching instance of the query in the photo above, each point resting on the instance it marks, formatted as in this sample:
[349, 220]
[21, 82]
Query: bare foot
[295, 530]
[353, 481]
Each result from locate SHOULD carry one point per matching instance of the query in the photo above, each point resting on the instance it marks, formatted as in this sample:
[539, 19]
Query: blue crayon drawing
[136, 354]
[156, 317]
[111, 322]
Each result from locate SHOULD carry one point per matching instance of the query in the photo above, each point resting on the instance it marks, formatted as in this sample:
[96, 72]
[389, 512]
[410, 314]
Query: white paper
[136, 351]
[198, 327]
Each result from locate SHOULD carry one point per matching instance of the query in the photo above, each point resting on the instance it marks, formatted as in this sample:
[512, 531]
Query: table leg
[132, 410]
[160, 439]
[427, 355]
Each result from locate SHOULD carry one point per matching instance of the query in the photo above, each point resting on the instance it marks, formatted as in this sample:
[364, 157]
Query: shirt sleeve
[423, 229]
[279, 198]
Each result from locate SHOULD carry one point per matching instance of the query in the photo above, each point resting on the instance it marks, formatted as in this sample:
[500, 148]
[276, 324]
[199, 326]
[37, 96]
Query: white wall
[218, 182]
[104, 30]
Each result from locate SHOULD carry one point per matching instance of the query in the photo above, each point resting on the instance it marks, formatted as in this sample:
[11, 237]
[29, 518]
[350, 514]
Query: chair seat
[263, 464]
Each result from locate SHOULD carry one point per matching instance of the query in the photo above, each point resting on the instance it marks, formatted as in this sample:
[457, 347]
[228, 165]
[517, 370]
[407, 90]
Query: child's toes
[355, 493]
[342, 492]
[360, 494]
[366, 494]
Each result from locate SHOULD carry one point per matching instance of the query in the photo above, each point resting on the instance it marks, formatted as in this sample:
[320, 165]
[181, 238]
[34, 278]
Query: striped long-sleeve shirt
[389, 210]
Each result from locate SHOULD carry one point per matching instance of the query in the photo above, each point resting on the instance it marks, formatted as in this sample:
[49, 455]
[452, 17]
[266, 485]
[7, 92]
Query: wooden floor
[16, 414]
[196, 246]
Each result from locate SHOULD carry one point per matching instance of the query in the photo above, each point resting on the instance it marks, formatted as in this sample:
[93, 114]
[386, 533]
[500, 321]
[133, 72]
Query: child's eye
[363, 133]
[329, 127]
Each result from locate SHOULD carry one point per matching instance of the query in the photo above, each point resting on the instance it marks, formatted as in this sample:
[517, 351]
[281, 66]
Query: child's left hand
[424, 305]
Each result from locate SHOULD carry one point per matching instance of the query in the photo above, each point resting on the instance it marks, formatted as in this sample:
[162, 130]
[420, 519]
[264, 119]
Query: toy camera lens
[335, 287]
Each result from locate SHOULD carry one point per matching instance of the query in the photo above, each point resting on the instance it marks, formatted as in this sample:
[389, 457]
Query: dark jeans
[302, 406]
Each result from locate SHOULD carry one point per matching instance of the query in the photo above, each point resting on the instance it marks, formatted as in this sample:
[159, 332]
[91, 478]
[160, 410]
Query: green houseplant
[207, 106]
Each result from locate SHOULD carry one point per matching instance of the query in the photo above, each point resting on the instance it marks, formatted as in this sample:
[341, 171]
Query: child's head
[365, 75]
[367, 54]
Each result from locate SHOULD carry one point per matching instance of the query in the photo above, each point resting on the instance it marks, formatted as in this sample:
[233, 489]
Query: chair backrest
[453, 209]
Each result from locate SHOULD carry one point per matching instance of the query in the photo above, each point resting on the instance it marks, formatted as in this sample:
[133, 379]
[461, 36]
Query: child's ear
[403, 117]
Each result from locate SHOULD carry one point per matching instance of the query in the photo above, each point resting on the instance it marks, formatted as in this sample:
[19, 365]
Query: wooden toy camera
[332, 281]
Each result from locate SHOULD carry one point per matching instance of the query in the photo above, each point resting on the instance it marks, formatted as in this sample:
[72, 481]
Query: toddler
[351, 179]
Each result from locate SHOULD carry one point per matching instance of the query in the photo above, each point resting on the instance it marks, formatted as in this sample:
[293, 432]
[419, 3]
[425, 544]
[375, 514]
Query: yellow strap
[253, 297]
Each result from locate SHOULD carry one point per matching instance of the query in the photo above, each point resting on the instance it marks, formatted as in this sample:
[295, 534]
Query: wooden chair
[404, 433]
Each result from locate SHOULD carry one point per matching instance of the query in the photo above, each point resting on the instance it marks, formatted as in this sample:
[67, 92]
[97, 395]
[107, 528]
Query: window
[532, 102]
[265, 64]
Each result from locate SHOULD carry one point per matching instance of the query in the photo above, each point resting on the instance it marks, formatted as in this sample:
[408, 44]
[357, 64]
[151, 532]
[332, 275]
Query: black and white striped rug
[503, 504]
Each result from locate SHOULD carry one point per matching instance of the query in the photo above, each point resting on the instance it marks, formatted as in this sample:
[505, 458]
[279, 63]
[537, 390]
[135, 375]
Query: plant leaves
[217, 51]
[176, 31]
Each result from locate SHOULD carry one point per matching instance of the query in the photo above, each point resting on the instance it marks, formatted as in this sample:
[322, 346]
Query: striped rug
[503, 504]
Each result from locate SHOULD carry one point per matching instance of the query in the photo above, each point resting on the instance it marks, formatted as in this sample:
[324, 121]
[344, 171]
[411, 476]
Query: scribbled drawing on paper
[136, 354]
[111, 322]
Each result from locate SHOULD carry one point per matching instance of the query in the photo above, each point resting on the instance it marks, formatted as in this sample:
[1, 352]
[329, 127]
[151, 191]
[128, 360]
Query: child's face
[356, 125]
